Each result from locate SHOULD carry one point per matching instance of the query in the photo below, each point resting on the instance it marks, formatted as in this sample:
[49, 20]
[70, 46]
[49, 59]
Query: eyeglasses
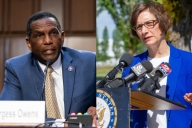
[148, 24]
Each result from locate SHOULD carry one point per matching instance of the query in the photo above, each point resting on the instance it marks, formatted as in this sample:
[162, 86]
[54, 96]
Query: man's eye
[39, 35]
[54, 32]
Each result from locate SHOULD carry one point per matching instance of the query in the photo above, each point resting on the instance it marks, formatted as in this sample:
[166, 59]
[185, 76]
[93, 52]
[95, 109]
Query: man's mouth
[49, 51]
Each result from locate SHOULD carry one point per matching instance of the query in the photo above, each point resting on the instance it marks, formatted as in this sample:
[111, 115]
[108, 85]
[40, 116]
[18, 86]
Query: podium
[114, 105]
[142, 100]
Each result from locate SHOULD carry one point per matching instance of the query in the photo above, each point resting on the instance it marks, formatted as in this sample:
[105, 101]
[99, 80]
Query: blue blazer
[24, 79]
[179, 82]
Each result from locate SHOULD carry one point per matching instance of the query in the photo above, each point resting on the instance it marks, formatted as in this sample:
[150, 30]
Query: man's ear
[62, 37]
[28, 43]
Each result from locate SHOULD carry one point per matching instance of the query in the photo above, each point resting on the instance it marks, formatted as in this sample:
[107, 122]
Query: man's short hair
[37, 16]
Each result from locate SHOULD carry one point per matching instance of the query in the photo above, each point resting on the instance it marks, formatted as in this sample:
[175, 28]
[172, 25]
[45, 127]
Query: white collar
[56, 65]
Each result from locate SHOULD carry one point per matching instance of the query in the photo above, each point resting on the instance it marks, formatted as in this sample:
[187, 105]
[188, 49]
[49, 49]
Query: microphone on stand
[137, 72]
[125, 61]
[43, 87]
[161, 71]
[151, 84]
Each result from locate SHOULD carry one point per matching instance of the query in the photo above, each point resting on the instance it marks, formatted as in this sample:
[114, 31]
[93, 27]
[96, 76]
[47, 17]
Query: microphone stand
[129, 102]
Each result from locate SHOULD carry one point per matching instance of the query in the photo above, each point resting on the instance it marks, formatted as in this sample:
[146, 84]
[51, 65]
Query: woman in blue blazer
[150, 23]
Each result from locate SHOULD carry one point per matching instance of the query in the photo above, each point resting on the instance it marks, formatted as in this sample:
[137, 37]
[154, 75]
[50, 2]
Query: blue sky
[104, 19]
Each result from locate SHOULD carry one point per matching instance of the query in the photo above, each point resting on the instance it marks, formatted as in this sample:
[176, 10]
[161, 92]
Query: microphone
[151, 83]
[161, 71]
[137, 72]
[148, 85]
[125, 61]
[43, 87]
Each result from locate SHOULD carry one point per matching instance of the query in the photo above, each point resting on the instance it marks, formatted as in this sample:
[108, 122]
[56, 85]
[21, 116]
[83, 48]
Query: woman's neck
[158, 51]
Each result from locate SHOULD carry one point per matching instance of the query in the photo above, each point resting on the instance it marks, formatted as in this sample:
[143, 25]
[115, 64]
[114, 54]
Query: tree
[118, 47]
[120, 11]
[98, 49]
[103, 47]
[181, 15]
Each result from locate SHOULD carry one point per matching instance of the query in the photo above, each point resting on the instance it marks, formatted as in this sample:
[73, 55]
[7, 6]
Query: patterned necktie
[50, 96]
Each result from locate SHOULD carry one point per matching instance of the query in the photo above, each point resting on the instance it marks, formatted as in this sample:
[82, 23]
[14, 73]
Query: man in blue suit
[74, 71]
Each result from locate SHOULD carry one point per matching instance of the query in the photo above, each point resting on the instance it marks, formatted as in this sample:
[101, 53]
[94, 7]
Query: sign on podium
[22, 112]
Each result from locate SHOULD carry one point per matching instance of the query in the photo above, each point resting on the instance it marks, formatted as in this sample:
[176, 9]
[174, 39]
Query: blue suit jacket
[24, 79]
[179, 82]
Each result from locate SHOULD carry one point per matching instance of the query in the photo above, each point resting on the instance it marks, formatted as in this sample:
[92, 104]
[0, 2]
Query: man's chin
[51, 59]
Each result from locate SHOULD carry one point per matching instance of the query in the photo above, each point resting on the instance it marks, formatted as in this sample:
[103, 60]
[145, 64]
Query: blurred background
[114, 33]
[77, 19]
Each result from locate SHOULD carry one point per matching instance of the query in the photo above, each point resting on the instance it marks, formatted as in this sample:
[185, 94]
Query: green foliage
[172, 11]
[159, 1]
[120, 11]
[180, 12]
[178, 9]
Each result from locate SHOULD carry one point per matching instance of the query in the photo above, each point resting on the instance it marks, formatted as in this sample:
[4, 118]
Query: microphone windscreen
[168, 64]
[161, 71]
[127, 59]
[147, 65]
[48, 63]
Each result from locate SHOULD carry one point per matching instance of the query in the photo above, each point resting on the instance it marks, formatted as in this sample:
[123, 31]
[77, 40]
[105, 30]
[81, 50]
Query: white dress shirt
[158, 118]
[58, 82]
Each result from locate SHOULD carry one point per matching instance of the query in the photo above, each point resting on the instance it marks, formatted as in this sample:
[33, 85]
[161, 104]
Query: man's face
[46, 40]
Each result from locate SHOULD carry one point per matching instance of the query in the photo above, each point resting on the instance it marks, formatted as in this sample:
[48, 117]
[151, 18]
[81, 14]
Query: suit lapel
[69, 78]
[173, 76]
[37, 76]
[175, 63]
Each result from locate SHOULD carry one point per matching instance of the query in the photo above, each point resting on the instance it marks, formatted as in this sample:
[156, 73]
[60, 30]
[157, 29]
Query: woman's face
[149, 33]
